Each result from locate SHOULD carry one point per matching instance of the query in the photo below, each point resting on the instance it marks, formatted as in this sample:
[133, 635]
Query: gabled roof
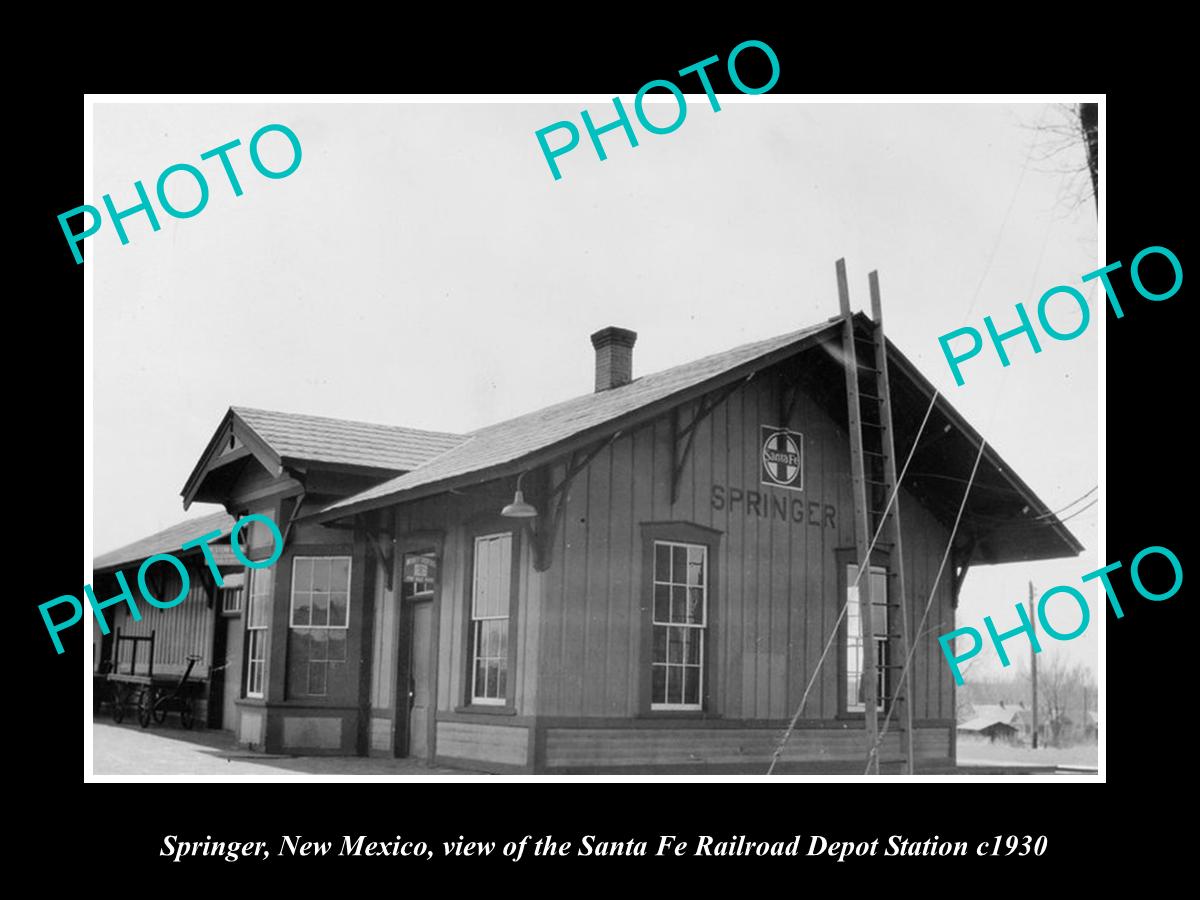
[994, 712]
[169, 540]
[279, 440]
[980, 723]
[1004, 521]
[301, 438]
[486, 449]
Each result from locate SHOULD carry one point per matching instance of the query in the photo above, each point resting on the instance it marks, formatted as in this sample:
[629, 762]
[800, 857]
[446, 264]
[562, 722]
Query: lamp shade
[519, 509]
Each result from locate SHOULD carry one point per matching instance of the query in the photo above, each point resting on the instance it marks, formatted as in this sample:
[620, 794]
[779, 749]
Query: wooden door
[225, 676]
[419, 694]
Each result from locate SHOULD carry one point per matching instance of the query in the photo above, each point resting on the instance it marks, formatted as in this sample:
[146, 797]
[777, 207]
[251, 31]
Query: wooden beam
[862, 537]
[890, 476]
[961, 564]
[210, 586]
[708, 403]
[557, 497]
[625, 422]
[385, 552]
[789, 396]
[287, 528]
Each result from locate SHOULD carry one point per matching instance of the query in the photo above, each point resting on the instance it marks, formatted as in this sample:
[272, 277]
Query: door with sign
[415, 712]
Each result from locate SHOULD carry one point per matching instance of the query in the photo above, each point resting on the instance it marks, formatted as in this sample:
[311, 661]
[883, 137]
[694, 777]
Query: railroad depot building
[639, 579]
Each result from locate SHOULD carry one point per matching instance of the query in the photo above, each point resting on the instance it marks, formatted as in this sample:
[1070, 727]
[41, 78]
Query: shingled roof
[506, 442]
[1004, 520]
[296, 437]
[169, 540]
[279, 440]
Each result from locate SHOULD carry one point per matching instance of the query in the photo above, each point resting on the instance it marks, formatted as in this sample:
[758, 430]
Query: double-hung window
[491, 601]
[680, 617]
[258, 605]
[320, 618]
[855, 694]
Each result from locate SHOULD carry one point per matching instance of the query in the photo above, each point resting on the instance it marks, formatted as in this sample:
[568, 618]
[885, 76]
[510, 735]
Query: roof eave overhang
[210, 458]
[300, 462]
[583, 438]
[178, 552]
[897, 360]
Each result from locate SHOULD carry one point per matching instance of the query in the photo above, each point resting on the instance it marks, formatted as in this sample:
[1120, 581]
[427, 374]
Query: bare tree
[1061, 691]
[1066, 140]
[1090, 126]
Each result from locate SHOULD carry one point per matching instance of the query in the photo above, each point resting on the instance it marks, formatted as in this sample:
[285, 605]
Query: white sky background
[423, 268]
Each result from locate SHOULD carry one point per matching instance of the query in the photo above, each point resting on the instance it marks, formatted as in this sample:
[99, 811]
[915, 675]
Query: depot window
[258, 605]
[679, 572]
[679, 620]
[320, 617]
[854, 635]
[491, 609]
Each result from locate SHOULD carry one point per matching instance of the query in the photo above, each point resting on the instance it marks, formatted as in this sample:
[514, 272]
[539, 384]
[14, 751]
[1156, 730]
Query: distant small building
[995, 722]
[992, 730]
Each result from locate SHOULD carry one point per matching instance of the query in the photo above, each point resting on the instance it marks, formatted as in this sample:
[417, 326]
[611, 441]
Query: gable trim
[213, 456]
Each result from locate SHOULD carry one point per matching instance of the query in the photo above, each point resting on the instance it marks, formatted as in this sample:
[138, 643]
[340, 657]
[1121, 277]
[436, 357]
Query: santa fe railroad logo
[782, 458]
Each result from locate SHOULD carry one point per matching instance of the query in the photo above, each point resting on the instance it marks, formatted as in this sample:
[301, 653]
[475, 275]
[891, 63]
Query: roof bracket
[789, 397]
[682, 438]
[961, 562]
[556, 496]
[209, 583]
[287, 528]
[384, 548]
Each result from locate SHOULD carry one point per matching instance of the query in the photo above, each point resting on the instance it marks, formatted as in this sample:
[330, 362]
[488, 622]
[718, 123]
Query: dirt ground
[975, 751]
[129, 750]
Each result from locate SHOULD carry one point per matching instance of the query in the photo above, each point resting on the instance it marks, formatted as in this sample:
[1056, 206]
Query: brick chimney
[614, 357]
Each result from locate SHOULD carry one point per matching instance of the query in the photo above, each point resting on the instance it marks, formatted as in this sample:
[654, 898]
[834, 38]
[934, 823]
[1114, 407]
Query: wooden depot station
[646, 578]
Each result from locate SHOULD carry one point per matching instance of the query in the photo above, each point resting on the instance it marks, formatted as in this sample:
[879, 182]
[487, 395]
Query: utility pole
[1033, 665]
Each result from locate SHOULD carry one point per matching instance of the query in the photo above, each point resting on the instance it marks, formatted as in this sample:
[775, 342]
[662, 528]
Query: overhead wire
[925, 614]
[900, 479]
[841, 614]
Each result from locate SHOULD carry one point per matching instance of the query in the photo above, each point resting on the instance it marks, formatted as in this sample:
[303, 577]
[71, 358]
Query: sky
[422, 267]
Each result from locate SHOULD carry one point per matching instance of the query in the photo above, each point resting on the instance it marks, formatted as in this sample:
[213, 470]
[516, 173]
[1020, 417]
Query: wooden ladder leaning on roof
[876, 510]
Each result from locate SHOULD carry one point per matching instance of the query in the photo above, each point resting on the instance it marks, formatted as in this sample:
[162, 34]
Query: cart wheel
[187, 714]
[159, 711]
[145, 707]
[118, 704]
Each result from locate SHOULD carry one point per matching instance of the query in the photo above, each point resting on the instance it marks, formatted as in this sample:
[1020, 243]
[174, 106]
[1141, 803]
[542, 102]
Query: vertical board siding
[643, 478]
[178, 631]
[383, 656]
[622, 614]
[550, 654]
[730, 600]
[776, 597]
[529, 602]
[594, 598]
[575, 600]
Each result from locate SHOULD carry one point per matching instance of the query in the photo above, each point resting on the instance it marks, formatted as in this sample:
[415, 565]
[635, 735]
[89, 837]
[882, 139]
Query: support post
[891, 476]
[1033, 667]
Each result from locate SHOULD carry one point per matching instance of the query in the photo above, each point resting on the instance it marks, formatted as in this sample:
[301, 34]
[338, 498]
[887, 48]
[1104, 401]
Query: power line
[1077, 512]
[862, 568]
[1047, 515]
[1003, 222]
[928, 604]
